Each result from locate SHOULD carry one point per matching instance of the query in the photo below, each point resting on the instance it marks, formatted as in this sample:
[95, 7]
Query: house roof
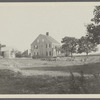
[50, 39]
[7, 49]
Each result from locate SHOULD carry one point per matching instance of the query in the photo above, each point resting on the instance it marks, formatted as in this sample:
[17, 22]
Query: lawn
[31, 76]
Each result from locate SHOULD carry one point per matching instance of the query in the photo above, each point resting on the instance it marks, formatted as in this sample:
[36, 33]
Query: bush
[78, 85]
[18, 54]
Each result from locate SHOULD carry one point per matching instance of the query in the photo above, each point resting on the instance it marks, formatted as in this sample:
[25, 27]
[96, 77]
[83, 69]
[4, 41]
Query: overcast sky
[21, 23]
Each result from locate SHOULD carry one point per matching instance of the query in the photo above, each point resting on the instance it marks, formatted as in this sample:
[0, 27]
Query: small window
[50, 53]
[46, 45]
[36, 47]
[42, 40]
[34, 53]
[49, 45]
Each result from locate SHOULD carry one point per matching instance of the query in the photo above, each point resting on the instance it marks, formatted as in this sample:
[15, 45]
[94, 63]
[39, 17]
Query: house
[7, 52]
[45, 46]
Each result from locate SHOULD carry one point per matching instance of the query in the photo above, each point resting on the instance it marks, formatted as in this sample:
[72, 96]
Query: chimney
[47, 33]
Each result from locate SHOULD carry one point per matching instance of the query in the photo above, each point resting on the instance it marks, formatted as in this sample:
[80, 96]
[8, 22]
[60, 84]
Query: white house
[8, 52]
[45, 46]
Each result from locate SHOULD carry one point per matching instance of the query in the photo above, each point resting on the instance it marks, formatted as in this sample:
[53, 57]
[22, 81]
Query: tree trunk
[71, 55]
[87, 54]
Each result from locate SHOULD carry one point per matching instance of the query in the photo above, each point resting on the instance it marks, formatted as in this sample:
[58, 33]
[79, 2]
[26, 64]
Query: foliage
[77, 84]
[69, 45]
[96, 14]
[84, 45]
[18, 54]
[93, 32]
[93, 29]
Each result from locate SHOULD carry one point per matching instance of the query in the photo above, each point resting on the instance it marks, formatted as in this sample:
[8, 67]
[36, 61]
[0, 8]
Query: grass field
[64, 76]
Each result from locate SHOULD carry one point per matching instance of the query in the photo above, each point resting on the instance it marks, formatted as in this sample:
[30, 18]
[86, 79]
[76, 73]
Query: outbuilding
[8, 52]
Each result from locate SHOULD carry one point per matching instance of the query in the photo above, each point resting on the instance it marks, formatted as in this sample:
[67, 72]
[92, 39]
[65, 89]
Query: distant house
[45, 46]
[7, 52]
[26, 53]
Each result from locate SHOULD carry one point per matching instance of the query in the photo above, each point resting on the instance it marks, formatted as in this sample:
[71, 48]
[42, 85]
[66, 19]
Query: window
[49, 45]
[46, 53]
[46, 45]
[36, 47]
[34, 53]
[42, 40]
[50, 53]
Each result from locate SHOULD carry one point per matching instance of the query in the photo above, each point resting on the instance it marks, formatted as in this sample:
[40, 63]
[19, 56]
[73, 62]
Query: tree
[84, 45]
[69, 45]
[93, 33]
[93, 29]
[18, 54]
[96, 14]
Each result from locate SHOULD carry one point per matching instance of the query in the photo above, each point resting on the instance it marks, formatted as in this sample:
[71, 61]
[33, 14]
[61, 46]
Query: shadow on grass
[15, 83]
[86, 68]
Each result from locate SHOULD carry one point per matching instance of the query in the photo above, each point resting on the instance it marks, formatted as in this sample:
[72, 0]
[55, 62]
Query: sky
[21, 23]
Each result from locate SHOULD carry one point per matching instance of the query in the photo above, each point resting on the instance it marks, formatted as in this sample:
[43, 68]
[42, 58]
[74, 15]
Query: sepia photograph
[50, 48]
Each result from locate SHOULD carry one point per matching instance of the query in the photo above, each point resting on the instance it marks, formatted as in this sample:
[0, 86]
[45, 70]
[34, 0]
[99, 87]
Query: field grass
[87, 68]
[30, 76]
[15, 83]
